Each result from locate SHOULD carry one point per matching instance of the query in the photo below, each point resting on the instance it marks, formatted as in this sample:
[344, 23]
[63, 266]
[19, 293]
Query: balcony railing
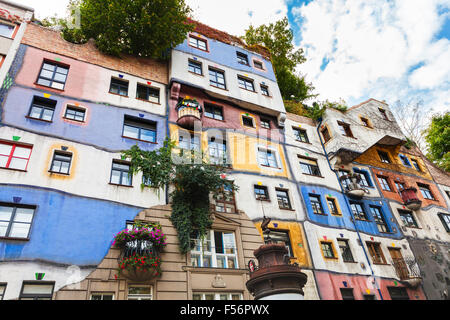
[189, 111]
[351, 185]
[408, 271]
[409, 197]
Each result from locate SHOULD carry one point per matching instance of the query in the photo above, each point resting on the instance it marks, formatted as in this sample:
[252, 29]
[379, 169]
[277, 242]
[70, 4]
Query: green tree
[278, 37]
[146, 28]
[438, 139]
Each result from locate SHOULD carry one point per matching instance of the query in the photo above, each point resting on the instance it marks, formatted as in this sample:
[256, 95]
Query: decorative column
[275, 278]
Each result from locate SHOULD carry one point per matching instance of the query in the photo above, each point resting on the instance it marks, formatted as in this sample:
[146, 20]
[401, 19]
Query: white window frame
[217, 295]
[140, 296]
[102, 294]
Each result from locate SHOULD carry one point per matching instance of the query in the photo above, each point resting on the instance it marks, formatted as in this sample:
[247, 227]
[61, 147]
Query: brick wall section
[301, 119]
[49, 40]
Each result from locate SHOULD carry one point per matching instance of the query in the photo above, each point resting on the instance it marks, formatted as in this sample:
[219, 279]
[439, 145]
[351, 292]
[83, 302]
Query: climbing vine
[193, 182]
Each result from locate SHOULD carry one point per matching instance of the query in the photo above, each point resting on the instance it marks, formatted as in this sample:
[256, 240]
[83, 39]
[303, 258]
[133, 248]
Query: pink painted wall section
[231, 115]
[329, 285]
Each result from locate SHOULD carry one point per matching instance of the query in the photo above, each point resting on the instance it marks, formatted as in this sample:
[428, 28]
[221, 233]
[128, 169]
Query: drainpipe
[348, 208]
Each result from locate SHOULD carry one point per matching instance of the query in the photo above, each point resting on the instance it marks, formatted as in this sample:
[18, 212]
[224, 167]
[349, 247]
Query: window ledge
[140, 99]
[288, 209]
[248, 90]
[119, 185]
[116, 94]
[214, 270]
[56, 172]
[47, 88]
[225, 89]
[312, 175]
[139, 140]
[48, 121]
[14, 239]
[350, 261]
[12, 169]
[200, 75]
[76, 121]
[223, 120]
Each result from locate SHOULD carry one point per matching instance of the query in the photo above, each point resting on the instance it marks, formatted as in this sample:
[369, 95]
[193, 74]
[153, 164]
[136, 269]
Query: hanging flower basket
[139, 268]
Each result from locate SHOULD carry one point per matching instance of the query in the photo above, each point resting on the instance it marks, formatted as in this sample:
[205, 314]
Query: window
[61, 162]
[225, 201]
[364, 178]
[140, 292]
[425, 190]
[316, 204]
[265, 123]
[445, 218]
[365, 122]
[283, 199]
[267, 158]
[2, 290]
[147, 93]
[14, 156]
[358, 211]
[15, 221]
[217, 78]
[399, 185]
[217, 250]
[6, 30]
[309, 166]
[265, 90]
[75, 113]
[376, 253]
[246, 84]
[197, 43]
[242, 58]
[192, 143]
[102, 296]
[120, 173]
[331, 202]
[346, 181]
[53, 75]
[139, 129]
[33, 290]
[325, 134]
[347, 294]
[379, 219]
[195, 67]
[345, 129]
[327, 249]
[398, 293]
[384, 157]
[258, 65]
[383, 114]
[217, 151]
[261, 193]
[300, 135]
[213, 112]
[279, 236]
[216, 296]
[416, 165]
[346, 252]
[404, 159]
[384, 183]
[247, 121]
[119, 87]
[42, 109]
[407, 218]
[448, 194]
[369, 297]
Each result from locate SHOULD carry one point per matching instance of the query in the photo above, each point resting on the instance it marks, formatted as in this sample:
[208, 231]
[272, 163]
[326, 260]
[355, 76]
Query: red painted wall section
[231, 115]
[329, 285]
[409, 181]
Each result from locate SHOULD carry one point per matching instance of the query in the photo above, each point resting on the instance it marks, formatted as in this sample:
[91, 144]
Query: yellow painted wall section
[372, 158]
[298, 242]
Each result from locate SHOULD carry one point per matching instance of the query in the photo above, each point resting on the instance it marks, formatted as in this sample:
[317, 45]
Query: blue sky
[356, 49]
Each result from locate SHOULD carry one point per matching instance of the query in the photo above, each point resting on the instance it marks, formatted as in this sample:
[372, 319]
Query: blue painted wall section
[66, 229]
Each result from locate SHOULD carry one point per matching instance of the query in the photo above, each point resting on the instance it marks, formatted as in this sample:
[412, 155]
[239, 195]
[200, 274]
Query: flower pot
[139, 275]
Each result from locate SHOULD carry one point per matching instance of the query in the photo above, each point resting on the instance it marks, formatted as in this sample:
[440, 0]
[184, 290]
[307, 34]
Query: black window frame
[358, 214]
[408, 218]
[214, 82]
[264, 90]
[328, 253]
[246, 118]
[301, 135]
[194, 65]
[122, 172]
[345, 293]
[262, 196]
[211, 111]
[11, 220]
[265, 123]
[77, 112]
[3, 285]
[425, 190]
[61, 157]
[345, 129]
[309, 168]
[38, 296]
[399, 185]
[445, 219]
[334, 209]
[43, 104]
[242, 58]
[246, 83]
[384, 183]
[384, 114]
[140, 124]
[346, 251]
[283, 198]
[325, 134]
[148, 93]
[380, 220]
[197, 41]
[256, 62]
[384, 156]
[416, 165]
[52, 80]
[401, 294]
[316, 204]
[120, 83]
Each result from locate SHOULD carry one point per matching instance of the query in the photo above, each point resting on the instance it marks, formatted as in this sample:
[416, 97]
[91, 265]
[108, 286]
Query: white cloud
[372, 46]
[46, 8]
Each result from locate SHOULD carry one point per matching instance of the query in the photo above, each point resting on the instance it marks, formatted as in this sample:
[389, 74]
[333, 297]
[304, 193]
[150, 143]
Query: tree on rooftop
[146, 28]
[278, 37]
[438, 139]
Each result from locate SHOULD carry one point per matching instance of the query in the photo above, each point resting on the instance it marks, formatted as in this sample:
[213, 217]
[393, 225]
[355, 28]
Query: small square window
[265, 90]
[258, 64]
[120, 173]
[384, 157]
[327, 249]
[53, 75]
[265, 123]
[217, 78]
[246, 84]
[15, 220]
[75, 113]
[384, 183]
[445, 219]
[261, 193]
[364, 178]
[242, 58]
[365, 122]
[345, 129]
[426, 192]
[358, 211]
[140, 292]
[37, 291]
[14, 156]
[416, 165]
[325, 134]
[347, 294]
[247, 121]
[42, 109]
[195, 67]
[136, 128]
[119, 87]
[267, 158]
[408, 219]
[61, 162]
[214, 112]
[309, 166]
[379, 219]
[346, 252]
[2, 290]
[283, 199]
[404, 159]
[399, 185]
[102, 296]
[332, 205]
[383, 114]
[147, 93]
[6, 30]
[376, 253]
[300, 135]
[198, 43]
[316, 204]
[279, 236]
[398, 293]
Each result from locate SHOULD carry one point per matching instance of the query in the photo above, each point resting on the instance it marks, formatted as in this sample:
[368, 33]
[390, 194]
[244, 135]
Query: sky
[356, 49]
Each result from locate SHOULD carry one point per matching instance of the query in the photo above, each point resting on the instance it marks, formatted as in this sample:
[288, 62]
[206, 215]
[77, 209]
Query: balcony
[408, 271]
[189, 111]
[409, 197]
[351, 185]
